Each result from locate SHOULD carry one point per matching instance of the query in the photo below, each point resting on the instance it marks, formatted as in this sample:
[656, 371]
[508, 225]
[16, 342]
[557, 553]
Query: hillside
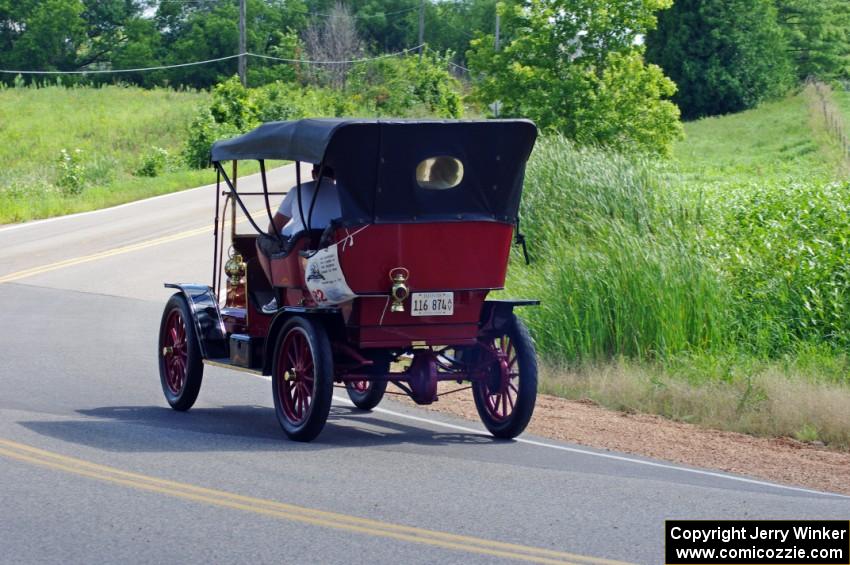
[105, 134]
[785, 139]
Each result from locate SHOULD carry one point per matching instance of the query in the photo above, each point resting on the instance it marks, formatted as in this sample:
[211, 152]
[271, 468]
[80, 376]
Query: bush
[397, 85]
[71, 179]
[153, 163]
[203, 132]
[233, 104]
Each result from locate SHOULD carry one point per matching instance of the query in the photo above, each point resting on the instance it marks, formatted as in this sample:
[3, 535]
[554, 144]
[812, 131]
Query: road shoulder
[781, 460]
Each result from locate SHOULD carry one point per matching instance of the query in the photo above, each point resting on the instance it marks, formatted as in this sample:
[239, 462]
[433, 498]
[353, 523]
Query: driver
[287, 220]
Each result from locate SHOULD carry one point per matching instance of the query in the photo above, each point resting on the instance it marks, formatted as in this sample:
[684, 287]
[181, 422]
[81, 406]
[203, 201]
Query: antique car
[393, 291]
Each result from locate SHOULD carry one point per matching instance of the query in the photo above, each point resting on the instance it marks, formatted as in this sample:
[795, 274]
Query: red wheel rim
[361, 387]
[174, 352]
[296, 380]
[500, 401]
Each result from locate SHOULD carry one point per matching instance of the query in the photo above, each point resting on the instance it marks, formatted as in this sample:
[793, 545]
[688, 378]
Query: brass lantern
[235, 270]
[400, 290]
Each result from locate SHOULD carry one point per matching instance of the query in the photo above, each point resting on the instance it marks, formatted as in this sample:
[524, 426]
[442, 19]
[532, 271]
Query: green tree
[724, 55]
[142, 49]
[575, 66]
[44, 35]
[397, 85]
[450, 26]
[63, 35]
[206, 29]
[818, 34]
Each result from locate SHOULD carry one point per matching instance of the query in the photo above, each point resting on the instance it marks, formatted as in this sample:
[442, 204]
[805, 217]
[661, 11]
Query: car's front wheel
[302, 378]
[181, 368]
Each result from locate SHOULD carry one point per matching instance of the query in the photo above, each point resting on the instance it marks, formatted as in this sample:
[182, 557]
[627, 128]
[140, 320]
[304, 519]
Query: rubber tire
[367, 400]
[527, 387]
[320, 348]
[195, 373]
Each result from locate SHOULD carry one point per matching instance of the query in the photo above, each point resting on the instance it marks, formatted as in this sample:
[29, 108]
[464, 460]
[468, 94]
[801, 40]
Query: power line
[360, 16]
[207, 61]
[345, 62]
[106, 71]
[316, 14]
[461, 67]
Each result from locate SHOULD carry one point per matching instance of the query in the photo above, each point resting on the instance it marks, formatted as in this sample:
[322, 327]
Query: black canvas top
[375, 162]
[301, 140]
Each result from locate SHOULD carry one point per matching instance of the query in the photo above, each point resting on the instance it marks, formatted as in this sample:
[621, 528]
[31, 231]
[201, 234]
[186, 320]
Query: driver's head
[327, 172]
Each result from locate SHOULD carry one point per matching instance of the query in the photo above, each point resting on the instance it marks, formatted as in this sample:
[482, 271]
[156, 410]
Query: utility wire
[194, 63]
[358, 16]
[107, 71]
[461, 67]
[317, 14]
[346, 62]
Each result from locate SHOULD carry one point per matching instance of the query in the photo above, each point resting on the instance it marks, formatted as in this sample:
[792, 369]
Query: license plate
[432, 304]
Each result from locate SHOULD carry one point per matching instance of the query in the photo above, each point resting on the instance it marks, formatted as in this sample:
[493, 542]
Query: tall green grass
[631, 261]
[723, 303]
[616, 260]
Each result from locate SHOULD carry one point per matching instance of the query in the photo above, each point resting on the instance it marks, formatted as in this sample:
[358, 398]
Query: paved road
[95, 468]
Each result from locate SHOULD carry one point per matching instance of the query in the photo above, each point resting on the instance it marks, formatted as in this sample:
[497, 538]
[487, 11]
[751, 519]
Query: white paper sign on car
[325, 279]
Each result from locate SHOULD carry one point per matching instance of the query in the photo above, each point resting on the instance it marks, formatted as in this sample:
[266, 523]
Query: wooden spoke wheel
[366, 394]
[302, 378]
[506, 394]
[181, 369]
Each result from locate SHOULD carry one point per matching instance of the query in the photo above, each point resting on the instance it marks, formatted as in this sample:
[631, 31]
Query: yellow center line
[28, 454]
[108, 253]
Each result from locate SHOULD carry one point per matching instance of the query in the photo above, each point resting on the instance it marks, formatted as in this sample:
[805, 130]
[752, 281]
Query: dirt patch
[780, 460]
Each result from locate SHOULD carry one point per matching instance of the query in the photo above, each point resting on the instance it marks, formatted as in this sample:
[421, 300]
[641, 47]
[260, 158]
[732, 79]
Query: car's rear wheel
[366, 394]
[506, 393]
[302, 378]
[181, 368]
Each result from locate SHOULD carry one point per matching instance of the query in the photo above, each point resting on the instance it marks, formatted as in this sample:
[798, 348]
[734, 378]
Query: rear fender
[206, 315]
[497, 314]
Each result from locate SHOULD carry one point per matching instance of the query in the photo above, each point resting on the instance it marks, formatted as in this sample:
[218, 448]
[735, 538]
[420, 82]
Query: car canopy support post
[298, 194]
[236, 197]
[215, 225]
[266, 197]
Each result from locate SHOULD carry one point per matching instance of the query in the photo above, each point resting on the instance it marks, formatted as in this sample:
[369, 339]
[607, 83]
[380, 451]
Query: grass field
[104, 132]
[713, 289]
[777, 141]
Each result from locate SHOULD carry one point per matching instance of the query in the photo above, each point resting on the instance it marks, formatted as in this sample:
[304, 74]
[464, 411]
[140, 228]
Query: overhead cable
[207, 61]
[346, 62]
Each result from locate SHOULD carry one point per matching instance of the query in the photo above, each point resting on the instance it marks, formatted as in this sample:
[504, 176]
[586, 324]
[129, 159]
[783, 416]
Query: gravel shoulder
[781, 460]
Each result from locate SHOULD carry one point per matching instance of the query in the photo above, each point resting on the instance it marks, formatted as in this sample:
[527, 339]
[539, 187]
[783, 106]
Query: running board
[225, 363]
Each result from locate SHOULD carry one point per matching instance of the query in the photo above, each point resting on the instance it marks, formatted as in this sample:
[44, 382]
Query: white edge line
[622, 458]
[43, 221]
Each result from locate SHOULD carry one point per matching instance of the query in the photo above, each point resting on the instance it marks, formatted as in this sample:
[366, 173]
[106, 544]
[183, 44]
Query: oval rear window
[439, 173]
